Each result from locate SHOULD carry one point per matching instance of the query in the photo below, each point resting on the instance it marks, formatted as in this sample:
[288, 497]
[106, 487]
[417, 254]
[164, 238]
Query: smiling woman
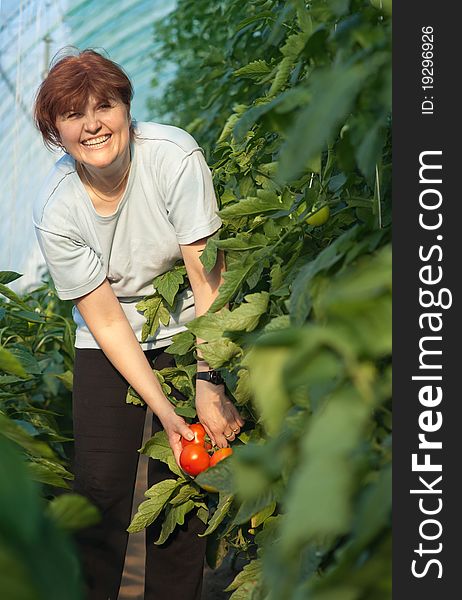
[122, 206]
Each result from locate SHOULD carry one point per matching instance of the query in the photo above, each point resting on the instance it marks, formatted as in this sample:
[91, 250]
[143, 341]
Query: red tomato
[199, 436]
[220, 455]
[194, 459]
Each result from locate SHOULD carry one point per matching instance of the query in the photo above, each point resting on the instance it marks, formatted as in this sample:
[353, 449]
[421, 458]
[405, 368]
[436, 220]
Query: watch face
[215, 377]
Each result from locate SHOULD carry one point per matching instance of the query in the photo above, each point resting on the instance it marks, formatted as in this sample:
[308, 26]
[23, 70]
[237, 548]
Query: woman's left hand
[217, 413]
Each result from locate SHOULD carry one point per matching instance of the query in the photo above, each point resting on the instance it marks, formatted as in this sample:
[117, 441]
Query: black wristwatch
[212, 376]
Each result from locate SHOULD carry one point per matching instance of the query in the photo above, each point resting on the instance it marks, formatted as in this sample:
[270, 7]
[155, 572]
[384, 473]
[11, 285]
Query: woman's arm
[214, 410]
[107, 322]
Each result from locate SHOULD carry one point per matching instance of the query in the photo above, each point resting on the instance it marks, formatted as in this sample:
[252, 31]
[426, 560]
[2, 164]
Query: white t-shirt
[169, 200]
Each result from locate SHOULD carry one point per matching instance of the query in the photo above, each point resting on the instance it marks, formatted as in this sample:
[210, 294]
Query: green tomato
[319, 216]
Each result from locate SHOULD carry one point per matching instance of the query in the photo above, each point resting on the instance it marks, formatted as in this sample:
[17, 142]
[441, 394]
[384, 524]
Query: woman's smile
[98, 142]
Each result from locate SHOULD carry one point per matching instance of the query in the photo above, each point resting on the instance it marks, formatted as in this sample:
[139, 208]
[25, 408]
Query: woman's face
[99, 136]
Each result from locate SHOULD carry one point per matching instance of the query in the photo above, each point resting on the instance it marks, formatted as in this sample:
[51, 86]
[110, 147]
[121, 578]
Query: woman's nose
[92, 123]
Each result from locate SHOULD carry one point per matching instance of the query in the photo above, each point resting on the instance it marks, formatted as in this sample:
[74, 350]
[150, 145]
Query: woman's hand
[217, 413]
[175, 427]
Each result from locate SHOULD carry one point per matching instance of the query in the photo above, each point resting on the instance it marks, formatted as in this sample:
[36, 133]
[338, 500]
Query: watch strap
[212, 376]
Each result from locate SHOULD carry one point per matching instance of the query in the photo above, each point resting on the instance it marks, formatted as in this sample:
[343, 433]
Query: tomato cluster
[195, 457]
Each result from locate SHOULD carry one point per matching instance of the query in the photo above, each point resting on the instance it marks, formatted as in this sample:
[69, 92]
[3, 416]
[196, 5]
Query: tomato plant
[291, 102]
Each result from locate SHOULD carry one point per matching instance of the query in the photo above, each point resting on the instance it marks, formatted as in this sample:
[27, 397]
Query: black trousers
[107, 433]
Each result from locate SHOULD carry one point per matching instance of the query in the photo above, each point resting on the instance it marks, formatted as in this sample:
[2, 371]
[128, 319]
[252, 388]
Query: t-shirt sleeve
[74, 267]
[190, 200]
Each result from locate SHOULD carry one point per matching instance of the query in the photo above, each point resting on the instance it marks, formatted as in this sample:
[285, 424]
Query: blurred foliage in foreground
[291, 101]
[37, 561]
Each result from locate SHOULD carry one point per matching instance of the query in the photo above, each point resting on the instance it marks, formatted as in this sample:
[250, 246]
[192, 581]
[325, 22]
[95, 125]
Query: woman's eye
[71, 115]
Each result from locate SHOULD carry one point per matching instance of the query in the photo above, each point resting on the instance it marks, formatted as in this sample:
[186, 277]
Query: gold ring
[229, 435]
[236, 430]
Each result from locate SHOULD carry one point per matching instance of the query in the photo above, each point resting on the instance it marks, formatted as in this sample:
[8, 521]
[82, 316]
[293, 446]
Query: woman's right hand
[175, 427]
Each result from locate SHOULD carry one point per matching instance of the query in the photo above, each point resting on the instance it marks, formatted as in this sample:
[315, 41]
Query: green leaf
[267, 384]
[334, 92]
[247, 315]
[16, 581]
[10, 430]
[253, 70]
[73, 511]
[158, 448]
[219, 477]
[374, 510]
[368, 279]
[209, 327]
[221, 511]
[181, 343]
[219, 352]
[301, 301]
[19, 508]
[175, 516]
[133, 397]
[148, 511]
[232, 282]
[31, 547]
[369, 150]
[264, 14]
[27, 315]
[290, 50]
[266, 202]
[185, 492]
[339, 7]
[168, 284]
[261, 516]
[49, 473]
[216, 551]
[303, 17]
[285, 102]
[259, 508]
[250, 575]
[179, 378]
[26, 358]
[67, 378]
[10, 364]
[13, 297]
[155, 313]
[319, 502]
[243, 391]
[9, 276]
[242, 242]
[203, 514]
[185, 410]
[210, 253]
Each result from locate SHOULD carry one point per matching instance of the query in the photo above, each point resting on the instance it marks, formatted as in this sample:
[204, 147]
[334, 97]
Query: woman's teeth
[96, 142]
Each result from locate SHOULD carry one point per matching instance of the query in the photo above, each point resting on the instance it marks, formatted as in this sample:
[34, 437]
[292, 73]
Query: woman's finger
[185, 432]
[209, 433]
[234, 412]
[222, 440]
[175, 445]
[235, 427]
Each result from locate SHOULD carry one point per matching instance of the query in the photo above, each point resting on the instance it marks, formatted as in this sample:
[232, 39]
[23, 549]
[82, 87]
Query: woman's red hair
[69, 84]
